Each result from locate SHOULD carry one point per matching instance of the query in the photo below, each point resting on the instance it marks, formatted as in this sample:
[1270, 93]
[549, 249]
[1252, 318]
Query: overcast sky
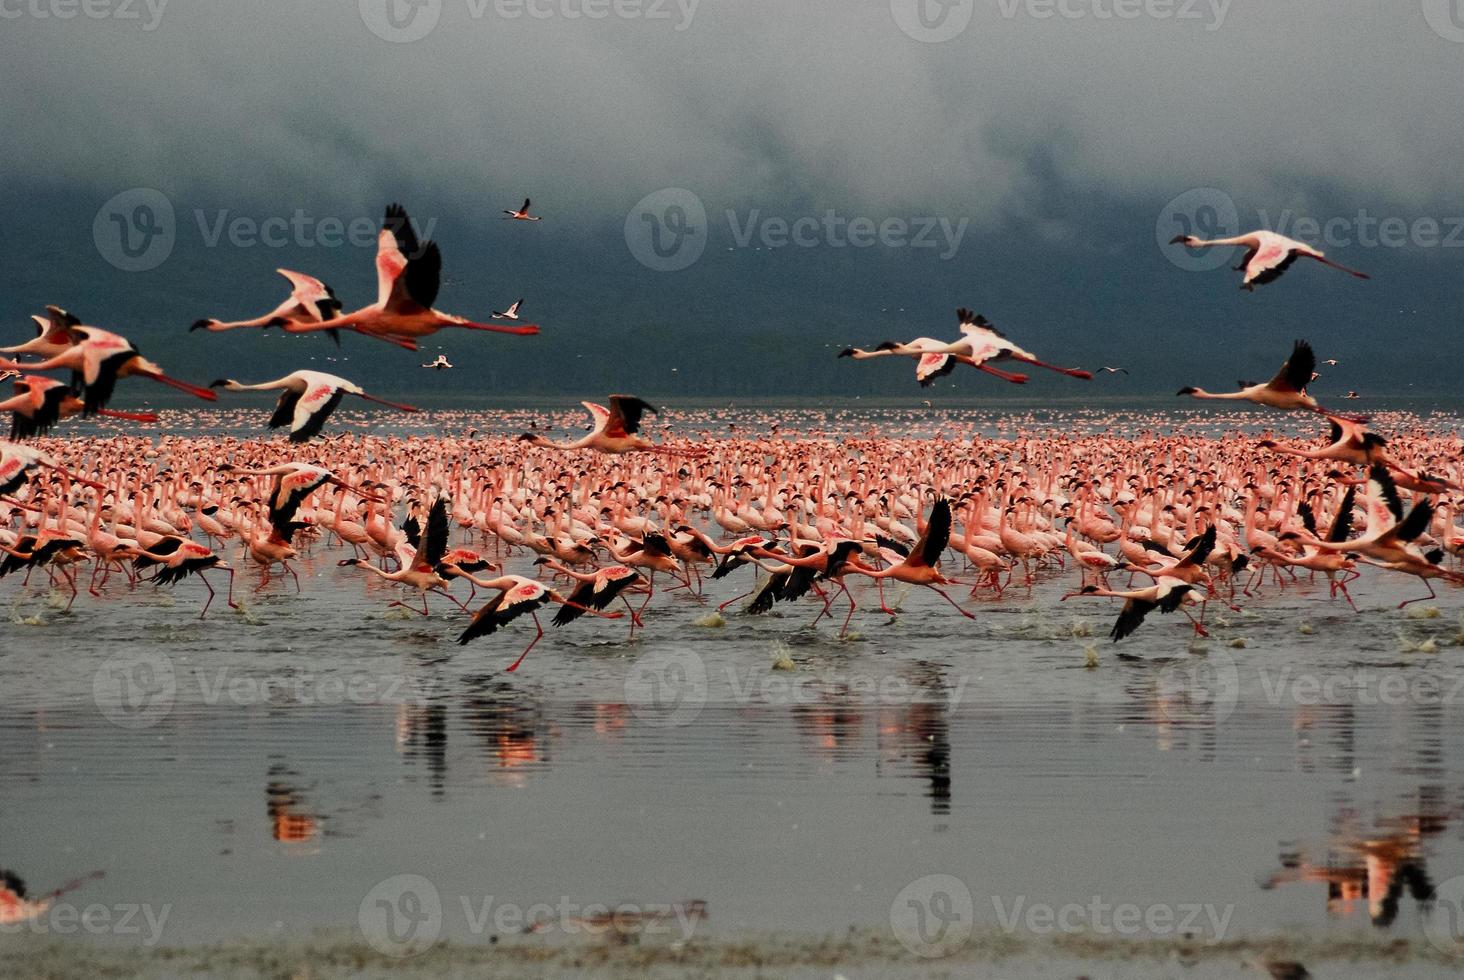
[1020, 156]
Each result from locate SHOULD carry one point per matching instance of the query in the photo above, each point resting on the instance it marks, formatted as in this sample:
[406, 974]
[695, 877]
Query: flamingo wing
[1268, 261]
[625, 414]
[434, 544]
[1296, 373]
[932, 366]
[318, 300]
[312, 408]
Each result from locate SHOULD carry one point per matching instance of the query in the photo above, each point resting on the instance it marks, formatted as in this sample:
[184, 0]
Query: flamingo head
[1183, 240]
[202, 325]
[1187, 391]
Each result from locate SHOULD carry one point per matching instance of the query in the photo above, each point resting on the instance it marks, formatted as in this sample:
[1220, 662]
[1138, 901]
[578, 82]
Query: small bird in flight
[522, 214]
[1114, 370]
[511, 313]
[441, 364]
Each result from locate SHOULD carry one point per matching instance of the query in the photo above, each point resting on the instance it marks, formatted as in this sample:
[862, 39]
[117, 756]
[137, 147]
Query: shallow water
[272, 773]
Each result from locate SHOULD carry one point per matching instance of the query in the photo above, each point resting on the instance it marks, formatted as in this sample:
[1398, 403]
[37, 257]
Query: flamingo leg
[540, 626]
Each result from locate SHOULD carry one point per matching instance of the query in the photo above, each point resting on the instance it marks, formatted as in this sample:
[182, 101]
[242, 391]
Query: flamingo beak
[358, 491]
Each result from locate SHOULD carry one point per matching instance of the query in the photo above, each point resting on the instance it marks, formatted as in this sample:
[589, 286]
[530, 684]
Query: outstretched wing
[937, 534]
[625, 414]
[312, 409]
[1296, 373]
[599, 416]
[434, 543]
[932, 366]
[1341, 528]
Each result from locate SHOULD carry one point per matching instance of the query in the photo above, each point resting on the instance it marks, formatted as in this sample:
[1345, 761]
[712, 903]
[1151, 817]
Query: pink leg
[540, 626]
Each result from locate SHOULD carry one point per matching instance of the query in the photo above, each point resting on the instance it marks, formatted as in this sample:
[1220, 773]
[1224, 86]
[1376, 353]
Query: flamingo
[522, 214]
[441, 364]
[408, 276]
[39, 403]
[920, 566]
[422, 570]
[517, 595]
[52, 334]
[1286, 391]
[935, 359]
[99, 358]
[1268, 255]
[596, 590]
[511, 313]
[1165, 594]
[615, 429]
[308, 399]
[310, 301]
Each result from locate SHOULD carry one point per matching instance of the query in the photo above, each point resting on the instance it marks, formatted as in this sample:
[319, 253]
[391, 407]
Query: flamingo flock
[784, 519]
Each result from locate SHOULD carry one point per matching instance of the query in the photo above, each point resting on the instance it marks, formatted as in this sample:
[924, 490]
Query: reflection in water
[513, 732]
[290, 822]
[421, 735]
[1373, 864]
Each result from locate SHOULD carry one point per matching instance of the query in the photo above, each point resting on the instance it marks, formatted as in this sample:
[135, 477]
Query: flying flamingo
[421, 570]
[310, 301]
[441, 364]
[596, 590]
[984, 337]
[52, 334]
[408, 276]
[39, 403]
[615, 430]
[920, 566]
[1286, 391]
[308, 399]
[522, 214]
[1268, 255]
[99, 358]
[934, 358]
[1166, 595]
[517, 595]
[511, 313]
